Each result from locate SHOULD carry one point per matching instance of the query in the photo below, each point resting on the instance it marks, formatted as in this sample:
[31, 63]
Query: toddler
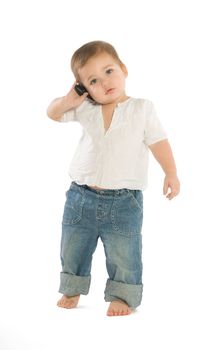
[109, 174]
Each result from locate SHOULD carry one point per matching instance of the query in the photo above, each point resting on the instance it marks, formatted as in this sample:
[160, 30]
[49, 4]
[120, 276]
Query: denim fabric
[116, 217]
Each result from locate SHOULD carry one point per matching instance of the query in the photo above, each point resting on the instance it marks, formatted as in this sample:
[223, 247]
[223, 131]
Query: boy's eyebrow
[92, 75]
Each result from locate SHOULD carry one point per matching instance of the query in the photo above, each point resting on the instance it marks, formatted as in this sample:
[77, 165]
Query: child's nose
[104, 83]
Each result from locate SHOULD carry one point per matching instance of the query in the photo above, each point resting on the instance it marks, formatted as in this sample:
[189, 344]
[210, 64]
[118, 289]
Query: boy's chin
[106, 102]
[110, 100]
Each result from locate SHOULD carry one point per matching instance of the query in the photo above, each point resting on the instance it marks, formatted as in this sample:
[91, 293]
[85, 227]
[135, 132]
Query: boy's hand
[171, 186]
[72, 99]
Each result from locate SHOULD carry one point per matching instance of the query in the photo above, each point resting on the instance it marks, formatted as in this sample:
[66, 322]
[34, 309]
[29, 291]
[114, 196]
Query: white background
[174, 53]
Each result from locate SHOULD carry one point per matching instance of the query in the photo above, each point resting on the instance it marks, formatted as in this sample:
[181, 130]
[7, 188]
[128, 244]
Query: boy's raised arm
[60, 105]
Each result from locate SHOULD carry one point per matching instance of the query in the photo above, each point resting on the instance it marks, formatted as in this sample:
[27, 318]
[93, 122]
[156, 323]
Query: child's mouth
[110, 91]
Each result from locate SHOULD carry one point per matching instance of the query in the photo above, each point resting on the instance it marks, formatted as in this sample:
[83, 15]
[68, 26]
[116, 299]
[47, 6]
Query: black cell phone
[80, 89]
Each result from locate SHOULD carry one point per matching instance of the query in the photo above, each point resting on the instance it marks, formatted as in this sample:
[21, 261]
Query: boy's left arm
[163, 154]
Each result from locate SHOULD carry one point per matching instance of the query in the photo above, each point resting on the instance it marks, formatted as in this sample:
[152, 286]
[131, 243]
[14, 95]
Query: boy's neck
[115, 103]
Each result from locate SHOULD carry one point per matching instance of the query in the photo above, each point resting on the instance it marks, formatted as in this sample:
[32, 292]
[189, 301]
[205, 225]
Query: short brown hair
[88, 50]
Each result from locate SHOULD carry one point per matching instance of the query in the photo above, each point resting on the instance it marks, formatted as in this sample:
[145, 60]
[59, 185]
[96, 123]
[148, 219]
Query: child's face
[104, 78]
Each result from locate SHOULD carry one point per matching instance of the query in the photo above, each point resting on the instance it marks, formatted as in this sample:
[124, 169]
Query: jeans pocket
[137, 199]
[127, 216]
[73, 207]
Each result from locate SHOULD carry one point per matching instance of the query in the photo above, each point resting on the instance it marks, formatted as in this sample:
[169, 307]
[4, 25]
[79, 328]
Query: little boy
[109, 173]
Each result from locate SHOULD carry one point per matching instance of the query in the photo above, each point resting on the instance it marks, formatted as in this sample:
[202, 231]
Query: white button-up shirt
[116, 158]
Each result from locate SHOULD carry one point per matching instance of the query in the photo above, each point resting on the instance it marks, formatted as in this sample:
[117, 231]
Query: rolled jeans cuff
[71, 285]
[129, 293]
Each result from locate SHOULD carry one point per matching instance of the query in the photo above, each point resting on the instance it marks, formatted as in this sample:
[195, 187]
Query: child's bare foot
[118, 308]
[68, 302]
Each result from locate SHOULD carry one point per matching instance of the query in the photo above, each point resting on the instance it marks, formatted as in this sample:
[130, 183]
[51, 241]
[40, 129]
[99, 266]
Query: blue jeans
[116, 217]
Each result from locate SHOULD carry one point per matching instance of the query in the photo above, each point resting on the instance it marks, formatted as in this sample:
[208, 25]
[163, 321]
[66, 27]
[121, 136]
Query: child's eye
[109, 71]
[93, 81]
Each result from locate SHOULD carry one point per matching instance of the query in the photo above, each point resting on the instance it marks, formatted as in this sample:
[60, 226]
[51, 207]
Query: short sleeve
[69, 116]
[154, 131]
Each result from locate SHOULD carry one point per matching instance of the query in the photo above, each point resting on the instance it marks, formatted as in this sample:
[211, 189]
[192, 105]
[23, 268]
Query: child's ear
[124, 69]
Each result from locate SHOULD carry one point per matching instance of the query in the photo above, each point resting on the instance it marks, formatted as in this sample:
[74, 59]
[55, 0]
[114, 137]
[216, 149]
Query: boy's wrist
[170, 172]
[66, 103]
